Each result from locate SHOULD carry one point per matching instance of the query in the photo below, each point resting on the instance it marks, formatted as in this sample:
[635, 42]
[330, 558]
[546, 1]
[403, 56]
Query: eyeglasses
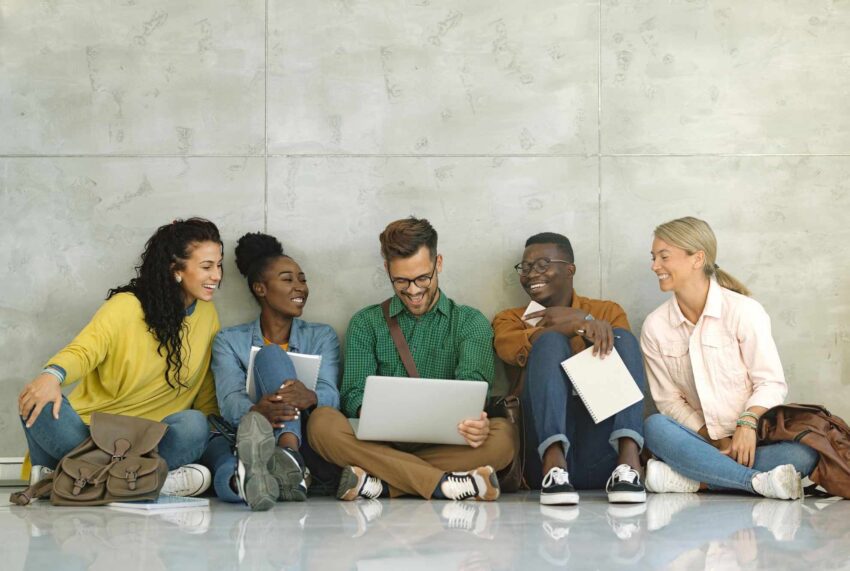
[539, 265]
[422, 281]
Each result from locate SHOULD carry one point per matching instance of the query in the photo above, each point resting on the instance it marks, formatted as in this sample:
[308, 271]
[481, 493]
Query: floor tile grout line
[411, 155]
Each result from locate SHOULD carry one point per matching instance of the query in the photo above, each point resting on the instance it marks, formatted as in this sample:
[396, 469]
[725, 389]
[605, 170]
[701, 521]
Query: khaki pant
[417, 471]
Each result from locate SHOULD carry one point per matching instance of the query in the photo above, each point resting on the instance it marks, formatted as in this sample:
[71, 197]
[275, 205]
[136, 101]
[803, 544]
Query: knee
[805, 459]
[625, 341]
[502, 442]
[269, 355]
[192, 425]
[324, 421]
[550, 346]
[654, 426]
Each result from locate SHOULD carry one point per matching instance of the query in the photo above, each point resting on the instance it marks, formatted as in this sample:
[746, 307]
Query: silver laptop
[401, 409]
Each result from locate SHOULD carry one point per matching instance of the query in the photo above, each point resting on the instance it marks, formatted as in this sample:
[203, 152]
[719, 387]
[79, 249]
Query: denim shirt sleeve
[327, 392]
[230, 377]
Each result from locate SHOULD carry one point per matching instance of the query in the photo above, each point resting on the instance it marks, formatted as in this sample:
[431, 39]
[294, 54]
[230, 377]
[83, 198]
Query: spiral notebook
[605, 385]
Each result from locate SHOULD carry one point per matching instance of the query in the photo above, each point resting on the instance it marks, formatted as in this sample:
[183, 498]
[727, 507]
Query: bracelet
[55, 373]
[747, 423]
[747, 413]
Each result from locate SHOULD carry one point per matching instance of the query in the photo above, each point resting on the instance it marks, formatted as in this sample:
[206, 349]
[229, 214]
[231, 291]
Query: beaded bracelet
[749, 414]
[747, 423]
[55, 372]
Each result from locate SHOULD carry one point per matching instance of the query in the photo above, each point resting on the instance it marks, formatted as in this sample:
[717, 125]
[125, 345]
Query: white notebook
[605, 385]
[162, 503]
[306, 371]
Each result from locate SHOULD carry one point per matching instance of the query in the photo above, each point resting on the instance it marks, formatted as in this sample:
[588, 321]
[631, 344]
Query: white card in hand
[532, 307]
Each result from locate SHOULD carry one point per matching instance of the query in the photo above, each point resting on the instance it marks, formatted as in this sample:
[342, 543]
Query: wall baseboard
[10, 471]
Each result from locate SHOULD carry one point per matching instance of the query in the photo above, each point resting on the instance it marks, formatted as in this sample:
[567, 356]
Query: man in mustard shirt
[598, 455]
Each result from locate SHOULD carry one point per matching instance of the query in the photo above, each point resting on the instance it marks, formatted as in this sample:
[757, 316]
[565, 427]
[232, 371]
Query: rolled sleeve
[230, 376]
[512, 338]
[327, 392]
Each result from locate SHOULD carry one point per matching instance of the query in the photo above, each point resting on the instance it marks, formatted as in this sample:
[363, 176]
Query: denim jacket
[232, 348]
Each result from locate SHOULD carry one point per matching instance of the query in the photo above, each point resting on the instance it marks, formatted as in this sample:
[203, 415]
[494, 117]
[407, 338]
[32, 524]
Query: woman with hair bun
[145, 353]
[713, 370]
[269, 465]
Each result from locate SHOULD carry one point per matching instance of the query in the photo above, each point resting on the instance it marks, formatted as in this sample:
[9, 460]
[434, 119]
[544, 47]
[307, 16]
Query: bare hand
[275, 410]
[475, 432]
[35, 396]
[743, 448]
[564, 320]
[294, 393]
[601, 334]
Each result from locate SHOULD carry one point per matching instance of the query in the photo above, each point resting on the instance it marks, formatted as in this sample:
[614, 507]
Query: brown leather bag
[507, 407]
[814, 426]
[118, 462]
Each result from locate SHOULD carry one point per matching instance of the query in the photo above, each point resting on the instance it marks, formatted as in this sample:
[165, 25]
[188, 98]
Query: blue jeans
[558, 415]
[271, 367]
[50, 439]
[691, 455]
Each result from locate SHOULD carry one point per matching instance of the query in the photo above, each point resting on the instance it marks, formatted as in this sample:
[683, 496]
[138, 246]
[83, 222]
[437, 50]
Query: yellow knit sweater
[115, 359]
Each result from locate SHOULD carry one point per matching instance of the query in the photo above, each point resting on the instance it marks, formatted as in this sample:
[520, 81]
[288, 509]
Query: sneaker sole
[289, 477]
[626, 497]
[493, 491]
[559, 499]
[349, 483]
[255, 444]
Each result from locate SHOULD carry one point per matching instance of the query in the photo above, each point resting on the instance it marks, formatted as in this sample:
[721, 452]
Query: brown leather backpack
[118, 462]
[814, 426]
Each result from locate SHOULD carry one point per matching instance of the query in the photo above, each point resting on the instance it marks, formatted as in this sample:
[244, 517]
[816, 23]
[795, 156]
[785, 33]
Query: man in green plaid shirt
[447, 341]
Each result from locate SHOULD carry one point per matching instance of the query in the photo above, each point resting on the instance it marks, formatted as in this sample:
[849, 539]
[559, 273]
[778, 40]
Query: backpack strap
[399, 341]
[40, 489]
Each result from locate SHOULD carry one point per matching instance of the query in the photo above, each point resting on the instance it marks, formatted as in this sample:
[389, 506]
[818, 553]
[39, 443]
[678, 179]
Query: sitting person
[146, 353]
[713, 370]
[597, 455]
[450, 341]
[268, 466]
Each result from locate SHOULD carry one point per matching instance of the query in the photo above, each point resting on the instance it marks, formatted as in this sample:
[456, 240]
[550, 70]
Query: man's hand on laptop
[275, 410]
[294, 393]
[475, 432]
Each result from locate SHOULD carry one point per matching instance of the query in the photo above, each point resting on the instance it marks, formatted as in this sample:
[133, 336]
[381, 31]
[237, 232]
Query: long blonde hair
[694, 235]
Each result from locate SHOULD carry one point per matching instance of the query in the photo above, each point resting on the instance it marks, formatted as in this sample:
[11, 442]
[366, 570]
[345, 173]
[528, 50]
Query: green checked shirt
[449, 342]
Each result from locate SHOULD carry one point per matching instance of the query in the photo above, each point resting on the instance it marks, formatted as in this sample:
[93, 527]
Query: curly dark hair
[254, 251]
[160, 295]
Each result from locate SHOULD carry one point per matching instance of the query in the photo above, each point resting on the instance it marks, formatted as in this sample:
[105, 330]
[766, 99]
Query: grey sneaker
[287, 468]
[255, 446]
[781, 483]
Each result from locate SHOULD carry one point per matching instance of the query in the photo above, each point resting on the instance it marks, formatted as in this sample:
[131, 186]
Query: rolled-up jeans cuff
[552, 440]
[284, 430]
[625, 433]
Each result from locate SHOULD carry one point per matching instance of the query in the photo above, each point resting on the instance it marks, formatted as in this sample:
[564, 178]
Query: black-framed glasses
[539, 265]
[422, 281]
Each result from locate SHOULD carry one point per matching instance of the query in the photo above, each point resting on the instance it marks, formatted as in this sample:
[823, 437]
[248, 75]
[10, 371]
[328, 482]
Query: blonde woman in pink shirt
[713, 369]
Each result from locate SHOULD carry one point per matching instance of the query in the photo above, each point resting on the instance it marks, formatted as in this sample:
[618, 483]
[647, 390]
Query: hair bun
[253, 247]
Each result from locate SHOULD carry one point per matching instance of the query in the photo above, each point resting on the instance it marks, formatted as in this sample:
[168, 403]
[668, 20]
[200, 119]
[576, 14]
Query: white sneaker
[661, 478]
[556, 489]
[781, 483]
[475, 518]
[187, 481]
[39, 472]
[478, 484]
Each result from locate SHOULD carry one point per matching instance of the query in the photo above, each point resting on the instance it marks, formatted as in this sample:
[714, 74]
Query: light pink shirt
[710, 372]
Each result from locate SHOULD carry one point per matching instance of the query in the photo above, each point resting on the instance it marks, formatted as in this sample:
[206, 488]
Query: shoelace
[556, 476]
[179, 481]
[460, 516]
[459, 487]
[621, 473]
[371, 488]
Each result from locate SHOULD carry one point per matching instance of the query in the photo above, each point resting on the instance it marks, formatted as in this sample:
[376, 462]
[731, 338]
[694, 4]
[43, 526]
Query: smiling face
[283, 287]
[201, 273]
[418, 300]
[554, 286]
[675, 268]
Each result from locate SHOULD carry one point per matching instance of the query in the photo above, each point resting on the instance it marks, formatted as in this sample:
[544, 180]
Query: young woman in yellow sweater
[145, 353]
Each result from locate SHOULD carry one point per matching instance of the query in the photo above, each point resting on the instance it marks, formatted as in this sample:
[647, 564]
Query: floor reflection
[670, 531]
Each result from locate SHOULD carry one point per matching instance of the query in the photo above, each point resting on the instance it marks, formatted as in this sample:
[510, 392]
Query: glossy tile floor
[671, 531]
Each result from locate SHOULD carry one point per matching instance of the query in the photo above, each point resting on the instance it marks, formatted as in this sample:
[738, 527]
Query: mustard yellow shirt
[115, 359]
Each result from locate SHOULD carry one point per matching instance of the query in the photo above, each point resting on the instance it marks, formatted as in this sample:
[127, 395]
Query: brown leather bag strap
[40, 489]
[400, 341]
